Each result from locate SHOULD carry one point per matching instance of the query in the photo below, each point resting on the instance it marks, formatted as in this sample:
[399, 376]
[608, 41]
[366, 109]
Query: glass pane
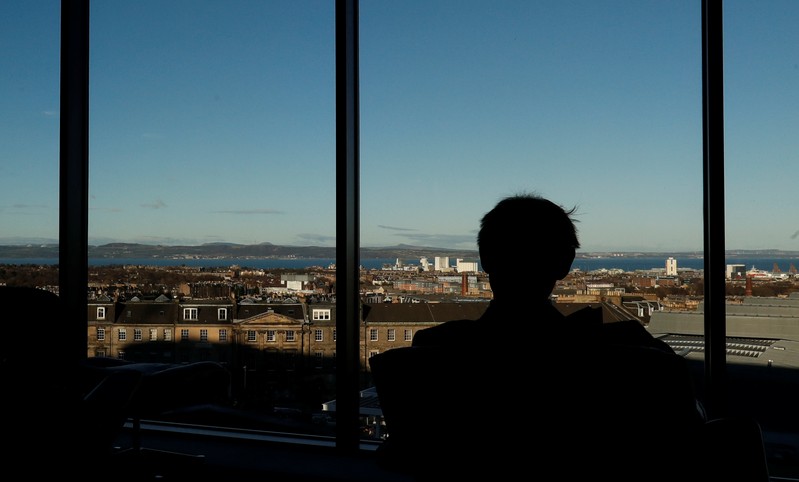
[761, 146]
[212, 170]
[594, 105]
[29, 108]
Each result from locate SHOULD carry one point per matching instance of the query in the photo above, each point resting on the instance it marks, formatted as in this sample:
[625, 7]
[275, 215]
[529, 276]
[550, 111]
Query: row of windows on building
[251, 335]
[222, 314]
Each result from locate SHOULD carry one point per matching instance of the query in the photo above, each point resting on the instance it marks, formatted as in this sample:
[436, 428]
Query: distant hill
[269, 250]
[230, 250]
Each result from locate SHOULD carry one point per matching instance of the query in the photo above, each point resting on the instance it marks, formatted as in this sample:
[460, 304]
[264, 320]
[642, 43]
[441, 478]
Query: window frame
[73, 199]
[320, 314]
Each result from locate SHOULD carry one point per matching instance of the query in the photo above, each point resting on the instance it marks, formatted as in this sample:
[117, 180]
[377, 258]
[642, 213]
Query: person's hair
[544, 225]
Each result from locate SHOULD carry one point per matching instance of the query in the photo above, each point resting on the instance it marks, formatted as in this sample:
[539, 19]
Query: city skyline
[214, 121]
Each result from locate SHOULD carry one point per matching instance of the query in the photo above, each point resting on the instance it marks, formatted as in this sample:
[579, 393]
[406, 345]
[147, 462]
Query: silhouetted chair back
[55, 407]
[625, 412]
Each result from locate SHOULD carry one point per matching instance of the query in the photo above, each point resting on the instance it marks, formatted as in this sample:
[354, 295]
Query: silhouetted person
[543, 232]
[527, 392]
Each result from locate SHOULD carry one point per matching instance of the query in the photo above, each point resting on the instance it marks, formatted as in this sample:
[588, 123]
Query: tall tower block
[671, 266]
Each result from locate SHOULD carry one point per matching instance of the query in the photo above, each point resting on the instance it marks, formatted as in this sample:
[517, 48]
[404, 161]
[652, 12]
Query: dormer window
[320, 314]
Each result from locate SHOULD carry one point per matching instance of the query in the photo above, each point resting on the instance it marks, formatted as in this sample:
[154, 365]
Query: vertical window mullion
[73, 208]
[713, 195]
[347, 225]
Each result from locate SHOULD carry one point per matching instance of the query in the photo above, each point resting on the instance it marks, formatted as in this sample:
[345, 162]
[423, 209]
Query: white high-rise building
[736, 271]
[465, 266]
[425, 263]
[441, 263]
[671, 267]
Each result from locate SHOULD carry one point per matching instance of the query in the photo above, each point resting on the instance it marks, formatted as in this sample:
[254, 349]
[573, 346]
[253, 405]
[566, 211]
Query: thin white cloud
[461, 241]
[394, 228]
[158, 204]
[28, 206]
[107, 210]
[315, 238]
[250, 211]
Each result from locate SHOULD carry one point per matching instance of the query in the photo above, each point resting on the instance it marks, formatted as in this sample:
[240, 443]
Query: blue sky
[214, 120]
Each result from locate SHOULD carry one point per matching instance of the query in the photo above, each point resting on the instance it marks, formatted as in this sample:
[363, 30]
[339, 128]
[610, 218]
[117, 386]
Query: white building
[425, 263]
[671, 267]
[441, 263]
[737, 271]
[465, 266]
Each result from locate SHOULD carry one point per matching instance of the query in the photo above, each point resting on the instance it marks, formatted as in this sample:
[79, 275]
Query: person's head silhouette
[526, 243]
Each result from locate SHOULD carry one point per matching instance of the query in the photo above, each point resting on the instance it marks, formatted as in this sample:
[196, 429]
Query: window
[408, 335]
[271, 336]
[318, 335]
[391, 334]
[291, 335]
[100, 334]
[184, 334]
[222, 111]
[319, 358]
[320, 314]
[167, 334]
[122, 335]
[222, 335]
[203, 334]
[100, 312]
[560, 129]
[251, 336]
[373, 353]
[372, 334]
[153, 334]
[137, 334]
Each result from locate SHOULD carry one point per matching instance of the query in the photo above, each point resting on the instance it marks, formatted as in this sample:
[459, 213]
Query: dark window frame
[73, 199]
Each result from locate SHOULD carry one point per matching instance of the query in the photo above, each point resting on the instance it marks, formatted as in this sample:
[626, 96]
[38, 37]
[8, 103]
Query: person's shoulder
[449, 332]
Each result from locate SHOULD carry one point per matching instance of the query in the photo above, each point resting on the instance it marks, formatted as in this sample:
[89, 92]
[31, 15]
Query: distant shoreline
[267, 251]
[623, 263]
